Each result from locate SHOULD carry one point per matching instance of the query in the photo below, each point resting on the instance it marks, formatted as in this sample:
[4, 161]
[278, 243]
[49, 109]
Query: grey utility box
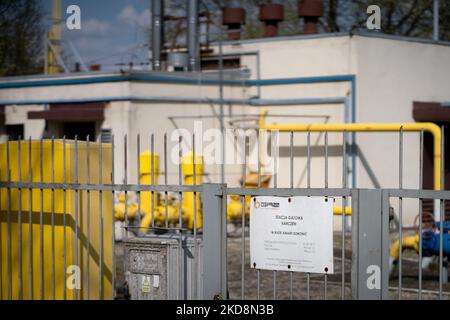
[156, 270]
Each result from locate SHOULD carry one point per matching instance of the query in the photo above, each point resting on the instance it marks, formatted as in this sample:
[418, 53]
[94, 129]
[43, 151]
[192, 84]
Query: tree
[21, 31]
[411, 18]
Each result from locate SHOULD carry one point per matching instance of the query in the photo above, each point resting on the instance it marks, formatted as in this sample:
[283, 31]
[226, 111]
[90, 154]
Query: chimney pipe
[271, 14]
[157, 32]
[311, 11]
[233, 18]
[192, 40]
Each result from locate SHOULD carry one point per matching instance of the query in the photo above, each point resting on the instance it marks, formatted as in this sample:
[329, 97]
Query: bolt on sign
[292, 234]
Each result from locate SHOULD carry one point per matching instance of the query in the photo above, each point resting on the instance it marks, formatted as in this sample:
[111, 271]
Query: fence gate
[364, 265]
[61, 207]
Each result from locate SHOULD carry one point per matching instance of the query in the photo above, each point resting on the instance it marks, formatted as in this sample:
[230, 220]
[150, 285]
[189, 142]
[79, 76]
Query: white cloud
[130, 16]
[91, 44]
[95, 27]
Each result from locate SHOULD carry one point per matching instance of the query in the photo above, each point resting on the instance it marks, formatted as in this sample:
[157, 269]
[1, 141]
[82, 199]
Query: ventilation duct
[178, 61]
[157, 32]
[271, 14]
[192, 39]
[233, 18]
[310, 11]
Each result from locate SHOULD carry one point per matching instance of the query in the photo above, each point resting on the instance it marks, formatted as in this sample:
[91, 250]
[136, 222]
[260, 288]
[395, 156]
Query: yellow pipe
[187, 168]
[338, 211]
[262, 123]
[55, 37]
[146, 160]
[370, 127]
[411, 242]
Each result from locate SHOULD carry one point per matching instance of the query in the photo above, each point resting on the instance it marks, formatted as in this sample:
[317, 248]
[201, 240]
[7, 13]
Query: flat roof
[112, 76]
[231, 77]
[361, 33]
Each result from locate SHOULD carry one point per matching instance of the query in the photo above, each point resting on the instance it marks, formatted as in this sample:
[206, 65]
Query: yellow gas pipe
[187, 168]
[367, 127]
[119, 208]
[234, 207]
[54, 36]
[145, 177]
[411, 242]
[370, 127]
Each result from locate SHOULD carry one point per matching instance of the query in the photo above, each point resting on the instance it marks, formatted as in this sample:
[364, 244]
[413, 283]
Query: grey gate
[218, 260]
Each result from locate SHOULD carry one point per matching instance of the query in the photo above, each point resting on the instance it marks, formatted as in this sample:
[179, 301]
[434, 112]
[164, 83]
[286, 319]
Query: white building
[329, 78]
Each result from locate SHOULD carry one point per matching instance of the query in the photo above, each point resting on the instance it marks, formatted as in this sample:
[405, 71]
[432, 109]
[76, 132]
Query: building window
[14, 131]
[106, 136]
[80, 129]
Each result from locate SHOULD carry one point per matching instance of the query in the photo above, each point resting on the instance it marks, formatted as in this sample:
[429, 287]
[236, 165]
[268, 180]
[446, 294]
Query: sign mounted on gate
[292, 234]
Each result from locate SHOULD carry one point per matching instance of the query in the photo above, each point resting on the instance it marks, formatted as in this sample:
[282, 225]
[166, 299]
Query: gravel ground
[283, 288]
[299, 280]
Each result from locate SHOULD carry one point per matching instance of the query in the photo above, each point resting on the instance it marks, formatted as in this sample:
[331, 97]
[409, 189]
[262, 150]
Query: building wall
[390, 75]
[18, 115]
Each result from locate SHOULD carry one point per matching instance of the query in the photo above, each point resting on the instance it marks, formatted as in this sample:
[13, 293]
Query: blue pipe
[252, 102]
[262, 82]
[282, 81]
[159, 79]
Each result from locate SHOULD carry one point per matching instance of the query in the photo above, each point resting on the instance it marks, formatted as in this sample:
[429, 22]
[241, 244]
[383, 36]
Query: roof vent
[311, 11]
[178, 61]
[271, 14]
[233, 18]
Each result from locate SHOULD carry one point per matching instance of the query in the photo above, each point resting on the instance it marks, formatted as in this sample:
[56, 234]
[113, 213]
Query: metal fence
[57, 210]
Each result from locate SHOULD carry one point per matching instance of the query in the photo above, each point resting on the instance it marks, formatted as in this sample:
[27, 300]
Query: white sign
[292, 234]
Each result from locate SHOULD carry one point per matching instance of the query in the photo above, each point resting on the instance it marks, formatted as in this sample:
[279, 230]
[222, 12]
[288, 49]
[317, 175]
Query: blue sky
[112, 31]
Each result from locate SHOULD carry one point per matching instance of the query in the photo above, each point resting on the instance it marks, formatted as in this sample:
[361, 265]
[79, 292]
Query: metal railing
[344, 193]
[57, 200]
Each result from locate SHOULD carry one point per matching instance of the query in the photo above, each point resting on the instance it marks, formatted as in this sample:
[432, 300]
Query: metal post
[138, 194]
[192, 41]
[166, 195]
[419, 268]
[221, 114]
[258, 73]
[64, 220]
[45, 55]
[436, 20]
[367, 253]
[1, 246]
[30, 224]
[244, 175]
[8, 221]
[76, 227]
[400, 215]
[214, 241]
[181, 295]
[53, 221]
[100, 221]
[157, 32]
[41, 221]
[88, 221]
[113, 224]
[442, 217]
[19, 222]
